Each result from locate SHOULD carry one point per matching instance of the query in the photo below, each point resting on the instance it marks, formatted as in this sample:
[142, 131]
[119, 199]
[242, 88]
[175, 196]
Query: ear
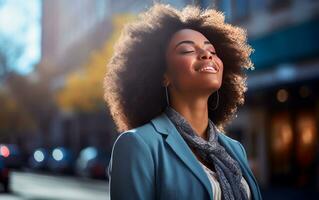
[165, 80]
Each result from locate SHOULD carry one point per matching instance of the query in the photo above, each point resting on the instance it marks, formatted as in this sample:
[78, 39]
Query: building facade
[279, 122]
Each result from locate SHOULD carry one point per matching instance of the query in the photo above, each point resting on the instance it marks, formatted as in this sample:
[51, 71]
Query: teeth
[207, 69]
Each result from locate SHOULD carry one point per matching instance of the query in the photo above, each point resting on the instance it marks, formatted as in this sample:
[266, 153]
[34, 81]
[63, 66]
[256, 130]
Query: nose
[205, 55]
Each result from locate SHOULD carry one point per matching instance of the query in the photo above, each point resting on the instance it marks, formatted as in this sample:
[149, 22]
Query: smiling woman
[176, 78]
[193, 67]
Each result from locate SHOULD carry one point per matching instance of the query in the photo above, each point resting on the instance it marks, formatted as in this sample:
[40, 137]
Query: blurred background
[55, 127]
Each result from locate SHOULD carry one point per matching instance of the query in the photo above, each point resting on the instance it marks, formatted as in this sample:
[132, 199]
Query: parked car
[61, 160]
[92, 162]
[39, 159]
[11, 155]
[4, 175]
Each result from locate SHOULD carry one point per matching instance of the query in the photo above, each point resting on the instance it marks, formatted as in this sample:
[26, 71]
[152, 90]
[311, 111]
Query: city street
[33, 186]
[75, 75]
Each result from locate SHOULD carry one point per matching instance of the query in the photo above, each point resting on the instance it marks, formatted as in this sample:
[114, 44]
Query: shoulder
[144, 136]
[234, 145]
[135, 147]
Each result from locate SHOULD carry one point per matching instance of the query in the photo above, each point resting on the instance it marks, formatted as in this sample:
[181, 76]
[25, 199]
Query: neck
[195, 111]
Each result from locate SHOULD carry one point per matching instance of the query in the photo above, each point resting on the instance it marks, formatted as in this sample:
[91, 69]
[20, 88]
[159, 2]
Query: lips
[208, 68]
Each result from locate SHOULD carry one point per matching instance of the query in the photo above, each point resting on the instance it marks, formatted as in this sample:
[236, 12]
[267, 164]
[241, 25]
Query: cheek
[181, 65]
[181, 72]
[221, 65]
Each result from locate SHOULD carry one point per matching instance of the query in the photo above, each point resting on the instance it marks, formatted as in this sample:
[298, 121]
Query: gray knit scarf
[228, 170]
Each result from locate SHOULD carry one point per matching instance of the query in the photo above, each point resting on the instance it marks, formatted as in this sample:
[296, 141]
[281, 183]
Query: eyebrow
[190, 42]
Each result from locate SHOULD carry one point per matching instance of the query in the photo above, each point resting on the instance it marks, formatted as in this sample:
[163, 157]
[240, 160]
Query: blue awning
[291, 44]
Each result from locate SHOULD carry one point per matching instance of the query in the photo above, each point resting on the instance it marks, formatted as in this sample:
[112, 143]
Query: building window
[226, 7]
[257, 5]
[274, 5]
[240, 10]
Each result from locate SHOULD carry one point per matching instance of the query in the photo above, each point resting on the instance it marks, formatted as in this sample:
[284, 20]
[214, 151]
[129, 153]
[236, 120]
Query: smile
[208, 69]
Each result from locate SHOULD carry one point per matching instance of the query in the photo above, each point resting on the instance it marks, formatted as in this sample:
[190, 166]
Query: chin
[213, 85]
[208, 86]
[209, 89]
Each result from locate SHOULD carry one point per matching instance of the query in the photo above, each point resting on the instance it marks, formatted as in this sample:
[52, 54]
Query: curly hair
[133, 83]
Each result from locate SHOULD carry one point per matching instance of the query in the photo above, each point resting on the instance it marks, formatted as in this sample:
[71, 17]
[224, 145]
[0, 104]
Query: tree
[10, 51]
[14, 118]
[26, 106]
[83, 90]
[35, 96]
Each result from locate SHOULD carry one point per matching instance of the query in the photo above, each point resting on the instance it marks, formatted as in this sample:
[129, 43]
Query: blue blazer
[154, 162]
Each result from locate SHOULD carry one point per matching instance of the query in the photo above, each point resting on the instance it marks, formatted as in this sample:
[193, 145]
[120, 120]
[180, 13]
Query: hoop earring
[217, 101]
[166, 94]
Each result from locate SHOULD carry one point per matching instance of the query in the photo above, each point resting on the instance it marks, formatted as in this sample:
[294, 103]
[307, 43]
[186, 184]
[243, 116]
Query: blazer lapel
[164, 126]
[247, 173]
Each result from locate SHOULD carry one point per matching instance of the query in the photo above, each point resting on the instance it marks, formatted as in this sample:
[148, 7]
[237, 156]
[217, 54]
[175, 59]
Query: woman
[175, 80]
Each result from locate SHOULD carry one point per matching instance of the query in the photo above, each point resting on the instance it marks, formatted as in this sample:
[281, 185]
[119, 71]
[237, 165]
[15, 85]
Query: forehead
[187, 34]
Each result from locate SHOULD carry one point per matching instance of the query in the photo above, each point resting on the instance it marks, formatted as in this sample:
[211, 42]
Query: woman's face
[192, 63]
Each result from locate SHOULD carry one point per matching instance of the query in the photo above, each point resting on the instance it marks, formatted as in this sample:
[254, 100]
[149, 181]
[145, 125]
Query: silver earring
[166, 93]
[217, 101]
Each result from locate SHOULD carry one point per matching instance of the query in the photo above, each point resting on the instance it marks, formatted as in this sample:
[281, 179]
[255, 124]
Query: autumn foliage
[83, 90]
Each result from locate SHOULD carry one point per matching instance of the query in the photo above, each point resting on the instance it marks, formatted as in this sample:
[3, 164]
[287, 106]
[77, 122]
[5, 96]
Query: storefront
[280, 120]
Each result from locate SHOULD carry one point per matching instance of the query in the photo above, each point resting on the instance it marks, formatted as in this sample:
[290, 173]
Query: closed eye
[185, 52]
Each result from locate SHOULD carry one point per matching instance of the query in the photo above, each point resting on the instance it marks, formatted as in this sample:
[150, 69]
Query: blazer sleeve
[243, 151]
[131, 169]
[258, 193]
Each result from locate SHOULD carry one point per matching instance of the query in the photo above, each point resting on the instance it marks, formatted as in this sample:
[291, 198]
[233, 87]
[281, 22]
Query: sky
[20, 21]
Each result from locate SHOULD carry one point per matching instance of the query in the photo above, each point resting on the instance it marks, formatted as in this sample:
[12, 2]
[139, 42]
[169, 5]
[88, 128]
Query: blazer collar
[164, 126]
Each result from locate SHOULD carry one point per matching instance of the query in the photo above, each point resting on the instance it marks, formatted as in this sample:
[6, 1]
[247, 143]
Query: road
[31, 186]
